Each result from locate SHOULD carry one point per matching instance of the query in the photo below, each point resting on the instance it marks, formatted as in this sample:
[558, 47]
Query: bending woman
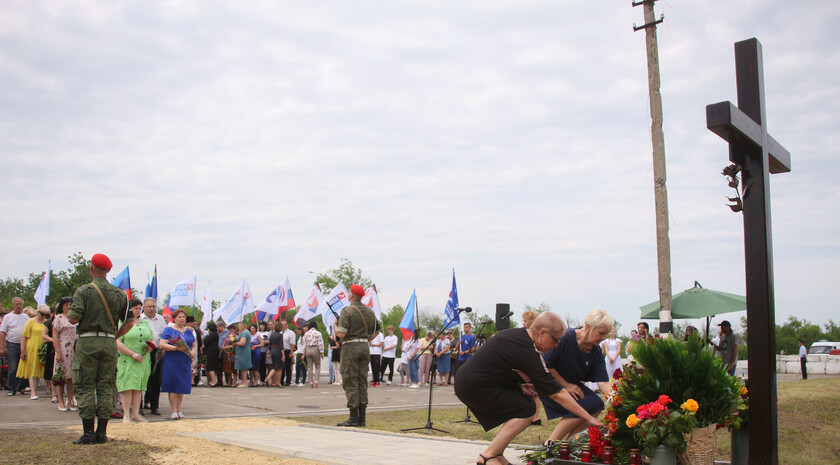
[500, 381]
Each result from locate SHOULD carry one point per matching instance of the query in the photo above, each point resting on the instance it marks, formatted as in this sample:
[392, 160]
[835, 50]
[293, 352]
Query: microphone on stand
[465, 309]
[486, 322]
[507, 316]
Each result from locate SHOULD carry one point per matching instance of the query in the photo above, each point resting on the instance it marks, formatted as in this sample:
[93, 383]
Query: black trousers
[375, 367]
[153, 388]
[263, 368]
[803, 363]
[286, 376]
[386, 363]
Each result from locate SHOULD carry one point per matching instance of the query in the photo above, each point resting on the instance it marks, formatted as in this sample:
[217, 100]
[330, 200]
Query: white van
[823, 347]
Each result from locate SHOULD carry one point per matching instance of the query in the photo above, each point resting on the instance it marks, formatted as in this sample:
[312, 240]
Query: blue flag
[450, 318]
[407, 324]
[123, 282]
[151, 288]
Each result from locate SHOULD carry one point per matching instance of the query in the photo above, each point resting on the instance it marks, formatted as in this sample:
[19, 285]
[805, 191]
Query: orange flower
[744, 391]
[664, 400]
[632, 421]
[690, 405]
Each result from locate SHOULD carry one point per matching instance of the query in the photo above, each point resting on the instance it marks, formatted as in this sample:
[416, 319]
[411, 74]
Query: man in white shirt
[376, 345]
[158, 324]
[389, 353]
[803, 359]
[288, 347]
[10, 332]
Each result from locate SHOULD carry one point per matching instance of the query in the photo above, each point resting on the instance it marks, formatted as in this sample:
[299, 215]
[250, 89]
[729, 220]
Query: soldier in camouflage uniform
[355, 328]
[95, 360]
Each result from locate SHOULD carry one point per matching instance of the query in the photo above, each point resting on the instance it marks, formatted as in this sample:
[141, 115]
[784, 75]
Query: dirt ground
[182, 450]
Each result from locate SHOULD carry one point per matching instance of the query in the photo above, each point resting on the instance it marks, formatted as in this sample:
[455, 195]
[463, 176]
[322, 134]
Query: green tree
[346, 273]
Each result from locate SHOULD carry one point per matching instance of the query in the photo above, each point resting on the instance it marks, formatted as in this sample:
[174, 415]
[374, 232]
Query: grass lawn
[809, 423]
[54, 447]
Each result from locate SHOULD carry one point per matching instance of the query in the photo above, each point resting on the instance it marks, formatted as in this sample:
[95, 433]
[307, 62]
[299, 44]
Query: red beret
[101, 261]
[358, 290]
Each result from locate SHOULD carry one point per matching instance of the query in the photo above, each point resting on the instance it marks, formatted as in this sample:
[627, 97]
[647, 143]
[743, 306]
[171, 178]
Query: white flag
[183, 293]
[43, 288]
[337, 299]
[247, 300]
[371, 300]
[309, 309]
[206, 309]
[231, 311]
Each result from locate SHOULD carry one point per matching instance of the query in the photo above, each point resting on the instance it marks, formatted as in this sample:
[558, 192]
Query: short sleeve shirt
[390, 341]
[13, 326]
[467, 343]
[727, 346]
[378, 339]
[575, 365]
[88, 309]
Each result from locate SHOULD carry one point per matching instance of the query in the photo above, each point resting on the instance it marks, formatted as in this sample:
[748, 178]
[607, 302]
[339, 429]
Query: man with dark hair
[288, 348]
[728, 347]
[356, 328]
[11, 331]
[97, 308]
[803, 358]
[158, 324]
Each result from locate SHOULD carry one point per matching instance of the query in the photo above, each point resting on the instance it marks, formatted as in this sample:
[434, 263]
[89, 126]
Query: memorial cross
[758, 154]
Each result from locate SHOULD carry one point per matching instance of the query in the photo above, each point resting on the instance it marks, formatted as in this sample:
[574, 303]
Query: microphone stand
[432, 367]
[468, 419]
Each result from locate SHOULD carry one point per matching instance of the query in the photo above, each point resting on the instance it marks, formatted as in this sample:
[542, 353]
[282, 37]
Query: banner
[371, 300]
[407, 324]
[43, 288]
[183, 293]
[123, 282]
[231, 312]
[336, 300]
[450, 318]
[206, 308]
[309, 309]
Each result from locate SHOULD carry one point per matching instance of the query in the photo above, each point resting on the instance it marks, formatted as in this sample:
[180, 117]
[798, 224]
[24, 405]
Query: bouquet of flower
[59, 377]
[740, 415]
[150, 346]
[178, 342]
[655, 424]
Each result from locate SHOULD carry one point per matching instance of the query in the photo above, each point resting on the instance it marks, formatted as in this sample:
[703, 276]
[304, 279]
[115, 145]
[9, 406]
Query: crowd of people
[88, 361]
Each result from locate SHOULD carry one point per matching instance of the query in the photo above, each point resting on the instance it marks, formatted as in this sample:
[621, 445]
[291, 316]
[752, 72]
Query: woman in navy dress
[577, 358]
[180, 348]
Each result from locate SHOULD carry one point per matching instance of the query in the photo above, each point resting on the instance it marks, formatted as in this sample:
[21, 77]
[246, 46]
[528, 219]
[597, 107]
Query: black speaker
[503, 315]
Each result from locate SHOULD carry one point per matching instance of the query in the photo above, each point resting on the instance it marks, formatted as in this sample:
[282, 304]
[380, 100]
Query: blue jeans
[13, 357]
[414, 369]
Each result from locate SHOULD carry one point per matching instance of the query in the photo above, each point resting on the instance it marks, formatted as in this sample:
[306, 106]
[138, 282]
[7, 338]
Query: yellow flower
[691, 405]
[632, 421]
[744, 391]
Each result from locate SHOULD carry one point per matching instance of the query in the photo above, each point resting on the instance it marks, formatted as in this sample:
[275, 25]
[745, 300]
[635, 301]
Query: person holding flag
[355, 328]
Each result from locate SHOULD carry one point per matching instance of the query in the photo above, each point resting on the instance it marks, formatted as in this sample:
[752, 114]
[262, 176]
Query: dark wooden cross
[758, 154]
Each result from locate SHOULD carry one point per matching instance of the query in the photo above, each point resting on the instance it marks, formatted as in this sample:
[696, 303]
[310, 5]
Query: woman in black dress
[211, 354]
[500, 381]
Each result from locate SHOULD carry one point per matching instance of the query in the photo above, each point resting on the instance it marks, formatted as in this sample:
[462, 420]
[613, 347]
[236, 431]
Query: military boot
[88, 436]
[362, 409]
[354, 418]
[101, 429]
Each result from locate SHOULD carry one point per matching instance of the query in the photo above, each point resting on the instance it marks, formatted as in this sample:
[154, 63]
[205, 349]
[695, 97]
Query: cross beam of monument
[758, 154]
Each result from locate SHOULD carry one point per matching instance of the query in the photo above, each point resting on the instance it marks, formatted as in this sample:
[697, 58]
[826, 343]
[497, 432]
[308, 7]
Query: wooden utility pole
[663, 243]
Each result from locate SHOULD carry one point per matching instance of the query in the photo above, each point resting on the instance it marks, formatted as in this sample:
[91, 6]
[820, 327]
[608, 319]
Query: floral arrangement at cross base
[654, 424]
[592, 438]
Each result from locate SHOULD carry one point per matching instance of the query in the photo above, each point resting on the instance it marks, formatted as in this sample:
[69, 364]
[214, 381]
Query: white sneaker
[388, 383]
[413, 386]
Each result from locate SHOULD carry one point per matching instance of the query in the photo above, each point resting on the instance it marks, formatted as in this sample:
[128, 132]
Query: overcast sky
[508, 140]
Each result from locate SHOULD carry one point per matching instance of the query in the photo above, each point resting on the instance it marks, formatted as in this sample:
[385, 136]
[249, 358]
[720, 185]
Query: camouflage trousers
[95, 375]
[354, 368]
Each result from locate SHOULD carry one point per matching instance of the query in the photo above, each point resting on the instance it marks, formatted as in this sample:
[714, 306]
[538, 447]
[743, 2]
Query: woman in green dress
[133, 367]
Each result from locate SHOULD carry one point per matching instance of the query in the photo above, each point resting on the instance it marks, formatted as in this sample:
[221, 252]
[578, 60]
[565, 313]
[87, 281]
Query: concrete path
[349, 446]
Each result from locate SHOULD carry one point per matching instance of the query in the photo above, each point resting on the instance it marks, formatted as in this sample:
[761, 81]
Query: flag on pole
[247, 301]
[183, 293]
[206, 308]
[371, 300]
[123, 282]
[309, 309]
[336, 300]
[151, 286]
[231, 312]
[407, 324]
[43, 287]
[450, 318]
[279, 301]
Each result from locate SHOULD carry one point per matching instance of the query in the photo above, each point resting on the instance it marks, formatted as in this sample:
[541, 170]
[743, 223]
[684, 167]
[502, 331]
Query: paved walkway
[349, 446]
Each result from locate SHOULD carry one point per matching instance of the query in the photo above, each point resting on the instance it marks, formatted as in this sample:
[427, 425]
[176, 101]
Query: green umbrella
[697, 302]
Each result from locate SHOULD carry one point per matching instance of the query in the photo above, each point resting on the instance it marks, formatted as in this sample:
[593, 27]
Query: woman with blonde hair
[575, 359]
[242, 348]
[30, 343]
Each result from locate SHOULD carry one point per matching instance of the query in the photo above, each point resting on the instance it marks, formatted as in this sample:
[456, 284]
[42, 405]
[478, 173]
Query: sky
[507, 140]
